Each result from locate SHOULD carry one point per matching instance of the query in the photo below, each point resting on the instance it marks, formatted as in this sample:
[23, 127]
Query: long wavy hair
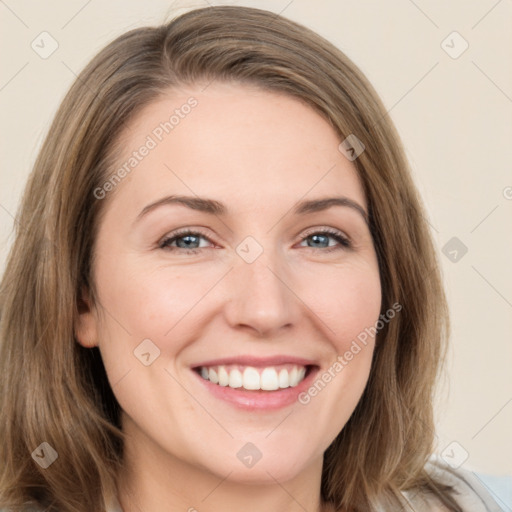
[53, 390]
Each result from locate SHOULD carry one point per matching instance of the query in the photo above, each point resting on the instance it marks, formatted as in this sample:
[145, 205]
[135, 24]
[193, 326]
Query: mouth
[256, 384]
[250, 378]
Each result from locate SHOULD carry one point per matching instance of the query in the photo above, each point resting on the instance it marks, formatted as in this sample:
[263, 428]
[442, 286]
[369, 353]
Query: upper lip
[257, 361]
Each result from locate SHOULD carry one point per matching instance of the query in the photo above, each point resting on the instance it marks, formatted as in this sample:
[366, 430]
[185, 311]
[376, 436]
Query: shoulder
[470, 490]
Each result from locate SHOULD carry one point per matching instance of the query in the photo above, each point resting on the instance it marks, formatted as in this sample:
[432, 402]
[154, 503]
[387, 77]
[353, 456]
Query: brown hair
[55, 391]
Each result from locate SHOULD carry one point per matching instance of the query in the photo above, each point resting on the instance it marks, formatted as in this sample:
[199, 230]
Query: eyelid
[325, 229]
[183, 232]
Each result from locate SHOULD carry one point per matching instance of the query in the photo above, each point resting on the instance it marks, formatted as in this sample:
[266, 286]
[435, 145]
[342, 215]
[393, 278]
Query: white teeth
[235, 379]
[212, 376]
[251, 378]
[284, 380]
[294, 378]
[223, 376]
[268, 379]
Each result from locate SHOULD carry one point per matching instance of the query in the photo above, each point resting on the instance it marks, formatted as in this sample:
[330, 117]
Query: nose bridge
[261, 296]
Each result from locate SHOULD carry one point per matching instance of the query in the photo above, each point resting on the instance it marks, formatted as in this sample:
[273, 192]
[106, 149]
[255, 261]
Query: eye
[187, 240]
[322, 236]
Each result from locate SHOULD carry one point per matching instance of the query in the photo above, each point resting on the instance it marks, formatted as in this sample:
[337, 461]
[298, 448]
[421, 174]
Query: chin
[270, 467]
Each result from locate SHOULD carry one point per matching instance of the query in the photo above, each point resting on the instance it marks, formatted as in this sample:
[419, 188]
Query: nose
[261, 296]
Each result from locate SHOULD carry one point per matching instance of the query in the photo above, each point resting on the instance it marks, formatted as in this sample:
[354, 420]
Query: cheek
[347, 299]
[150, 301]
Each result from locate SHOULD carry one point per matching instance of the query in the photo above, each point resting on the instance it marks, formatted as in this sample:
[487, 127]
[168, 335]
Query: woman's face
[237, 283]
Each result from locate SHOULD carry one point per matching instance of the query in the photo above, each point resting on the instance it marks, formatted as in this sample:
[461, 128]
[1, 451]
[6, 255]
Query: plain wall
[453, 114]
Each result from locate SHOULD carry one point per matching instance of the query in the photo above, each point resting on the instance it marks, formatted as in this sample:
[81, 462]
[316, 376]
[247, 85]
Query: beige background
[454, 115]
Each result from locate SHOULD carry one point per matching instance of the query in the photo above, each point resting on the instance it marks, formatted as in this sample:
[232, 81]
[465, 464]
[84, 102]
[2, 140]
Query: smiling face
[252, 292]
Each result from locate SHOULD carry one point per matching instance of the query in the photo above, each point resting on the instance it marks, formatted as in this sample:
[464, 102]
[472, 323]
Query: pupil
[185, 238]
[316, 237]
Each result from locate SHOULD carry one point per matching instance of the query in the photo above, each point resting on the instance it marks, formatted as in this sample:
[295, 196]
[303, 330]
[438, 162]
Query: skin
[259, 153]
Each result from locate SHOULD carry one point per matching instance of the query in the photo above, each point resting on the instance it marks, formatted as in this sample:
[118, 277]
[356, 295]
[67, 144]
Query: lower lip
[258, 399]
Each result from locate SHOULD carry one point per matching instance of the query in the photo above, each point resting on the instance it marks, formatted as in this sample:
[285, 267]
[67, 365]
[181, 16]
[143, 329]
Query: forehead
[235, 142]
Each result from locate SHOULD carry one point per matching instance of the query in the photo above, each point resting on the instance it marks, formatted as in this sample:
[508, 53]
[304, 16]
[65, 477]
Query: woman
[260, 370]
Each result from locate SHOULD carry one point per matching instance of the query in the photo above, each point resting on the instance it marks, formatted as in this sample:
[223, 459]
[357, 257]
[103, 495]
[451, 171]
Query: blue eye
[317, 236]
[188, 241]
[189, 238]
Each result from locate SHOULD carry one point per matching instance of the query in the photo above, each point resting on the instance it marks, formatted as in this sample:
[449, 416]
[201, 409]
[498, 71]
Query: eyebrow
[213, 207]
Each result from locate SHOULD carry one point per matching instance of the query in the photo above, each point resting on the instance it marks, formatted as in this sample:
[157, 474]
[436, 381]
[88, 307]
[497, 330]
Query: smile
[255, 383]
[269, 378]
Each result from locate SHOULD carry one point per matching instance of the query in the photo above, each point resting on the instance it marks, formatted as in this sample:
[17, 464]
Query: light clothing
[472, 490]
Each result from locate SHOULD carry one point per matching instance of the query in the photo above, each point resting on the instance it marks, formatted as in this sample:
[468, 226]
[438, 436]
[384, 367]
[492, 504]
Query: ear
[86, 324]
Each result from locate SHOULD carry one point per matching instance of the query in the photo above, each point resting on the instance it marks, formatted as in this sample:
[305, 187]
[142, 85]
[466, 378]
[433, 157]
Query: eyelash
[336, 235]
